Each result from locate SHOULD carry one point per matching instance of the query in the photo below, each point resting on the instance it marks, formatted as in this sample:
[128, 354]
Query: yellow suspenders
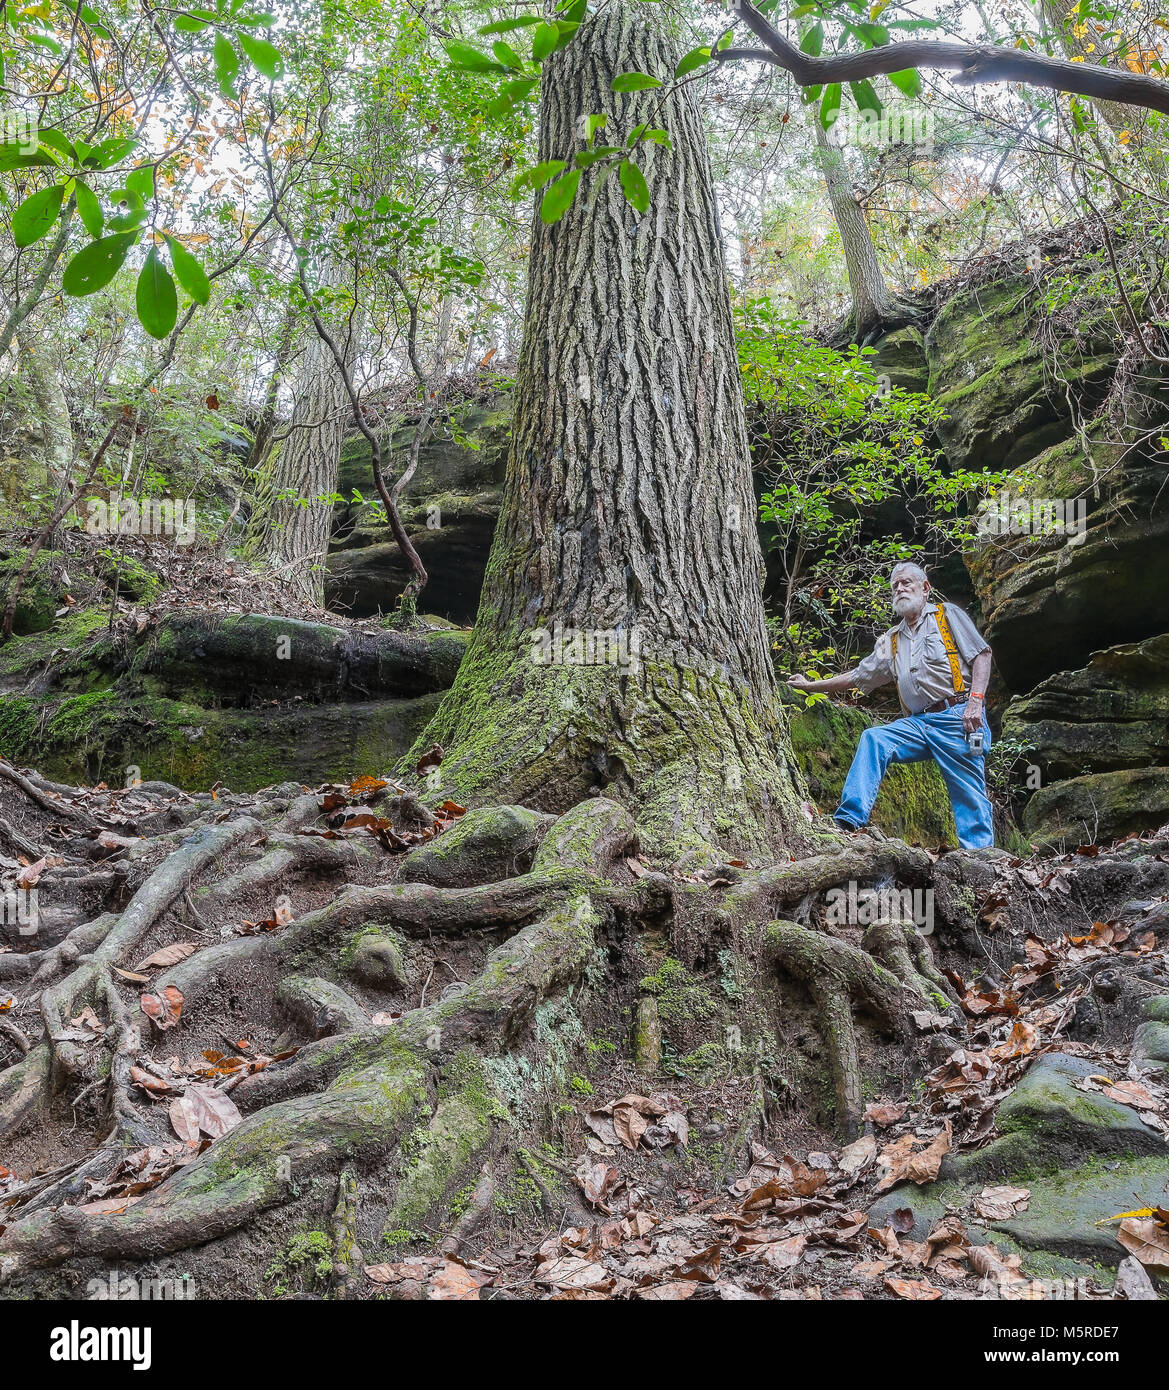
[951, 655]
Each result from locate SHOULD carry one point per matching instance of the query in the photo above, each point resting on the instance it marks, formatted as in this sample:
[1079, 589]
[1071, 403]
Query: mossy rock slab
[1098, 808]
[1084, 1158]
[1062, 1215]
[900, 356]
[1050, 602]
[99, 736]
[1110, 715]
[1004, 403]
[41, 594]
[486, 845]
[232, 659]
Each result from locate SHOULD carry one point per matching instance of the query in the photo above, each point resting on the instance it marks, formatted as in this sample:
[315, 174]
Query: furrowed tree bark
[628, 519]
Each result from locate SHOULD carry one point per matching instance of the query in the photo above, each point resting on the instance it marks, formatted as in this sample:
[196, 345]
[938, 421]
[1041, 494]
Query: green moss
[439, 1154]
[308, 1254]
[679, 994]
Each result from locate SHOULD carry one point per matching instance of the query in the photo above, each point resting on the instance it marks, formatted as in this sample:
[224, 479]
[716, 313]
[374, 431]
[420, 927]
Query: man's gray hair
[907, 565]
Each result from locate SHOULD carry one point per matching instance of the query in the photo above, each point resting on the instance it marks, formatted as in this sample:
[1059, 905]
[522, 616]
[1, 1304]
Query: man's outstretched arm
[829, 686]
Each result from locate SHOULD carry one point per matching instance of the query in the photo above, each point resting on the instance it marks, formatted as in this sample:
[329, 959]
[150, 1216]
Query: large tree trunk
[290, 523]
[628, 513]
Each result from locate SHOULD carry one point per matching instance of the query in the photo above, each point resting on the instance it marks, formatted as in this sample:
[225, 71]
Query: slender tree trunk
[290, 524]
[628, 521]
[873, 304]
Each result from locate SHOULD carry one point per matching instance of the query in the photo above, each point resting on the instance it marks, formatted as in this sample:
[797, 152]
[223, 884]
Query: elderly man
[940, 663]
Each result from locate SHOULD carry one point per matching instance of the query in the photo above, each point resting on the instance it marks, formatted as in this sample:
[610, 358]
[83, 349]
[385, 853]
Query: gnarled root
[368, 1085]
[838, 975]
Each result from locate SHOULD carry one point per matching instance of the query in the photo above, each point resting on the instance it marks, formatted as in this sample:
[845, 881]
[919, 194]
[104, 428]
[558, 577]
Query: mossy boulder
[1083, 1158]
[106, 735]
[237, 659]
[1100, 807]
[487, 844]
[1003, 401]
[1110, 715]
[42, 592]
[900, 356]
[375, 959]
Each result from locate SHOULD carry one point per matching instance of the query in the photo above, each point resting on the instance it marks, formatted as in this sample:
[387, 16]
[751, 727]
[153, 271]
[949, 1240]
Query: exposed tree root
[404, 1112]
[838, 975]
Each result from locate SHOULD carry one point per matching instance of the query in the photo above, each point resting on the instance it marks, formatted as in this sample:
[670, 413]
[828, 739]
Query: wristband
[976, 695]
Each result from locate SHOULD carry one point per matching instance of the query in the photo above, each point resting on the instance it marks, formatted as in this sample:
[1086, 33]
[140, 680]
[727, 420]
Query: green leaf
[141, 181]
[634, 82]
[725, 42]
[830, 105]
[155, 298]
[544, 40]
[505, 26]
[226, 67]
[188, 272]
[634, 186]
[511, 94]
[109, 152]
[33, 218]
[95, 265]
[12, 157]
[908, 80]
[587, 157]
[593, 124]
[54, 140]
[538, 175]
[194, 21]
[506, 54]
[875, 35]
[89, 209]
[694, 59]
[265, 57]
[643, 132]
[92, 21]
[558, 199]
[812, 40]
[866, 96]
[463, 55]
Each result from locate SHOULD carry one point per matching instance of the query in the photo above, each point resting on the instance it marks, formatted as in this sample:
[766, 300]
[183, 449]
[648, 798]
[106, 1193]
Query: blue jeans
[913, 739]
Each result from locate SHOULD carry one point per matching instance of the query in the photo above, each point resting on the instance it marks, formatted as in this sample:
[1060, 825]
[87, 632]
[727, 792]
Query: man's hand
[972, 715]
[801, 683]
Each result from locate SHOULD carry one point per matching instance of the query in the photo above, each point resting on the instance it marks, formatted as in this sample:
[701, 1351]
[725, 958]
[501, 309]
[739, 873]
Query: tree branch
[972, 64]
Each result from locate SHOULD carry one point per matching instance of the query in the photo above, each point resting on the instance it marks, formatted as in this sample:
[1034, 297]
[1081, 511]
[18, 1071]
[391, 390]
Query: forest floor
[670, 1191]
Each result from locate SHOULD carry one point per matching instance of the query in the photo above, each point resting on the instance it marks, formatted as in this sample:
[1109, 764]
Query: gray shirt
[923, 672]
